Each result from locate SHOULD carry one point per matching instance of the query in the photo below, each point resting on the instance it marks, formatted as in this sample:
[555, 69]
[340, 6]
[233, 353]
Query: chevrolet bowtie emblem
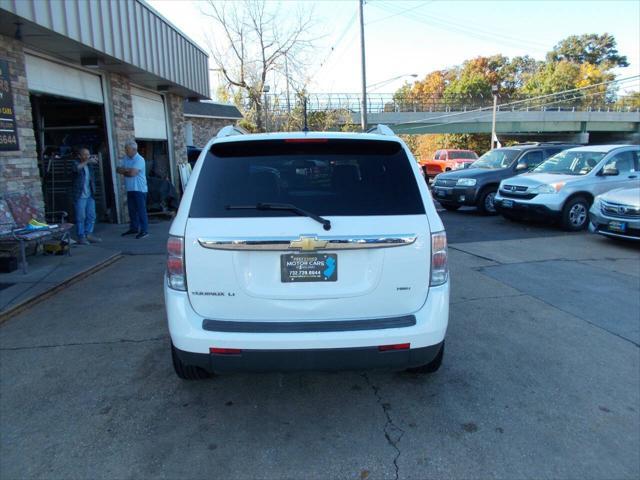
[307, 244]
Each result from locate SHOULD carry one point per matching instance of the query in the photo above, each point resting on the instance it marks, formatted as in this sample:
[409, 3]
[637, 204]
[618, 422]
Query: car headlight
[466, 182]
[551, 188]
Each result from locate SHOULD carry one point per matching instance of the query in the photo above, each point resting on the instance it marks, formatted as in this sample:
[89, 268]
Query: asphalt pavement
[540, 380]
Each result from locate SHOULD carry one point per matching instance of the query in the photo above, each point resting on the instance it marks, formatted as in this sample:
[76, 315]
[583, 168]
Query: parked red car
[446, 160]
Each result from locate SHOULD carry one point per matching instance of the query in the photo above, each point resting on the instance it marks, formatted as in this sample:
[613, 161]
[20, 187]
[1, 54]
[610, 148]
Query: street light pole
[494, 137]
[265, 90]
[363, 107]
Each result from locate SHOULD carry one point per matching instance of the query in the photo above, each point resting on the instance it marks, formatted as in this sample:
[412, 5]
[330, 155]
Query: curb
[26, 304]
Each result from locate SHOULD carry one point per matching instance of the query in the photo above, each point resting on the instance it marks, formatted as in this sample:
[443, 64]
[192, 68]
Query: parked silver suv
[564, 186]
[617, 214]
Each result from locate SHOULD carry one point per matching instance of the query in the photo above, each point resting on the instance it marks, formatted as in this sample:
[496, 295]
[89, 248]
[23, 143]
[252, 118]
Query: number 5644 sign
[8, 128]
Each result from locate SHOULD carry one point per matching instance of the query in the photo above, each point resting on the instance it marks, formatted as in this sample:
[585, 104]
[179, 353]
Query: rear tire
[433, 366]
[187, 372]
[575, 214]
[485, 203]
[451, 208]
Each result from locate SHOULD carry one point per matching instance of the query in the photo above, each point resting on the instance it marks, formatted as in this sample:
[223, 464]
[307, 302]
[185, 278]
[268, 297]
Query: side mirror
[610, 172]
[522, 166]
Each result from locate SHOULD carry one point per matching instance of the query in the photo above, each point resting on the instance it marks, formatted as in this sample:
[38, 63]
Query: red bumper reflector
[397, 346]
[306, 140]
[225, 351]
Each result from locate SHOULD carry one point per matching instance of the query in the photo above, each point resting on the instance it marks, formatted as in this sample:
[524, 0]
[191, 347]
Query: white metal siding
[128, 30]
[53, 78]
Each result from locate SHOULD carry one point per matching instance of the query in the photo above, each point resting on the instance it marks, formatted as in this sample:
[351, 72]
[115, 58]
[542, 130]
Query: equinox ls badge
[307, 244]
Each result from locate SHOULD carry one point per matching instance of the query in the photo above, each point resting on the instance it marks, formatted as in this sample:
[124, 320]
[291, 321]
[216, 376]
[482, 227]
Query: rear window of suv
[463, 155]
[326, 177]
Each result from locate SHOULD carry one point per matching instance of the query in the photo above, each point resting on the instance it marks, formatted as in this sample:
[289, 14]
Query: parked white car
[617, 214]
[564, 186]
[272, 266]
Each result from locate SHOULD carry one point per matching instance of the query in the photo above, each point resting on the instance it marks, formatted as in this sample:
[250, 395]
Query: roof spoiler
[381, 129]
[230, 130]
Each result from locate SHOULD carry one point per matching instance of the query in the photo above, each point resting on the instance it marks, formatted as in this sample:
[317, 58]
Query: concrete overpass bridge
[569, 115]
[508, 122]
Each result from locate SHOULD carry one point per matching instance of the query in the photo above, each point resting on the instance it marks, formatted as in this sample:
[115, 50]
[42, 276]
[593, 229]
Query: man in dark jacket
[84, 189]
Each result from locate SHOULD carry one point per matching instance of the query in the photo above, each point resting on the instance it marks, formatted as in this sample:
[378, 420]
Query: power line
[399, 13]
[475, 32]
[337, 42]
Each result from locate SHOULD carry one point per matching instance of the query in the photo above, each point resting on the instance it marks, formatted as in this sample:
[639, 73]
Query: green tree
[553, 77]
[599, 50]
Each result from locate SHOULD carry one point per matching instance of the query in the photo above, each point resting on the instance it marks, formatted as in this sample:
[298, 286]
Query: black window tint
[533, 159]
[437, 155]
[335, 177]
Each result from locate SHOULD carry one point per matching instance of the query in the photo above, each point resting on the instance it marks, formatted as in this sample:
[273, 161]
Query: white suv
[306, 251]
[564, 186]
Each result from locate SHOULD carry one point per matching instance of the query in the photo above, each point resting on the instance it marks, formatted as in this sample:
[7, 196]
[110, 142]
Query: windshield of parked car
[498, 158]
[323, 176]
[570, 163]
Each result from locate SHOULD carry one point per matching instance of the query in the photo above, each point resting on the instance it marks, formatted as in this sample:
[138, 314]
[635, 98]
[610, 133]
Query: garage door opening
[62, 127]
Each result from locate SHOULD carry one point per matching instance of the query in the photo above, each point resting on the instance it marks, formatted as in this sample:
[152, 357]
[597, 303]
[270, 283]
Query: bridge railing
[278, 104]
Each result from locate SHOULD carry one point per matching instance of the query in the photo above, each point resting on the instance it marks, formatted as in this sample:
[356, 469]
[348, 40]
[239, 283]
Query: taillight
[176, 276]
[439, 263]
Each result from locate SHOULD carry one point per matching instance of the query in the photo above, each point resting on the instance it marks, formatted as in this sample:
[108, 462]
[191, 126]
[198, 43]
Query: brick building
[91, 74]
[204, 119]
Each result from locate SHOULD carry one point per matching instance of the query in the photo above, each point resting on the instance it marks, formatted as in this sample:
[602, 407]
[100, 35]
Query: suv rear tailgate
[248, 284]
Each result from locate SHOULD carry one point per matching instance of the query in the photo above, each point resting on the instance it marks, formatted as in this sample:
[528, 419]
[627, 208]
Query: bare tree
[255, 42]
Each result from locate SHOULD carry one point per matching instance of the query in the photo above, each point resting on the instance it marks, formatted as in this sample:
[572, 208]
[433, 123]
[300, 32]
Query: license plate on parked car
[507, 203]
[441, 193]
[309, 267]
[617, 226]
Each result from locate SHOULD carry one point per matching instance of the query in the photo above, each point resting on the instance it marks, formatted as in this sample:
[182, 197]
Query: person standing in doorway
[133, 169]
[84, 189]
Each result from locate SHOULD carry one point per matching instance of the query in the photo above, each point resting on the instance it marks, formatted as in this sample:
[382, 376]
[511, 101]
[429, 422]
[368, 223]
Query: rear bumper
[320, 359]
[354, 348]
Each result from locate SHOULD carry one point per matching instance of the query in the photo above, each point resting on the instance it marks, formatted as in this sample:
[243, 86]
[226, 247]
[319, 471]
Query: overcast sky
[416, 37]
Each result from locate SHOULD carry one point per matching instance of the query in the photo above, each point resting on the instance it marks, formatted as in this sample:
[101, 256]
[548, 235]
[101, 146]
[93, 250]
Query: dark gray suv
[476, 186]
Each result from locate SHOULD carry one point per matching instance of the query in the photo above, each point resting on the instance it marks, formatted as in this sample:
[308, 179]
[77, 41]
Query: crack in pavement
[467, 300]
[457, 249]
[108, 342]
[390, 427]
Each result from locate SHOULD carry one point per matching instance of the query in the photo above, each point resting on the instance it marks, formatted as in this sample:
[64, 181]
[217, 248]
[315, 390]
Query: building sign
[8, 127]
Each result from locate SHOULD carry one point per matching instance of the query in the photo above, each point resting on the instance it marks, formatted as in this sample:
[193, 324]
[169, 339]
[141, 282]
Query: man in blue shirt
[83, 190]
[135, 181]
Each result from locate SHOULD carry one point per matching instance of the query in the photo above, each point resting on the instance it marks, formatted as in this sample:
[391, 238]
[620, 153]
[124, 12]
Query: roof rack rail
[381, 129]
[230, 130]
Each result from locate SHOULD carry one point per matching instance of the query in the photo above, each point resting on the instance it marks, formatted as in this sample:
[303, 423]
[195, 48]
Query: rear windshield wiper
[326, 224]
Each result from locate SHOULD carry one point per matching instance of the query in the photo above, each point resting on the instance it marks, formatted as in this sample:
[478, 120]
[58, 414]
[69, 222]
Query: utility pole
[494, 137]
[363, 107]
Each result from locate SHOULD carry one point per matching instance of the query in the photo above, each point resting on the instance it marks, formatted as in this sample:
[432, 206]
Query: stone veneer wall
[175, 104]
[205, 128]
[19, 169]
[123, 130]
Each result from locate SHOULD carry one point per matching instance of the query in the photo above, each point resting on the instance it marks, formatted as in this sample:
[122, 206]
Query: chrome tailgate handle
[308, 243]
